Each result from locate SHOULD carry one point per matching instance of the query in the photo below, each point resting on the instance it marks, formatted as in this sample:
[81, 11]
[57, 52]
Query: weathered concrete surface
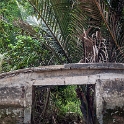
[109, 95]
[11, 115]
[16, 86]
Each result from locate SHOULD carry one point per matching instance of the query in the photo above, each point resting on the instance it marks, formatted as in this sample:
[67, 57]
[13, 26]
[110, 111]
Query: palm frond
[112, 21]
[28, 29]
[46, 10]
[52, 17]
[98, 14]
[120, 55]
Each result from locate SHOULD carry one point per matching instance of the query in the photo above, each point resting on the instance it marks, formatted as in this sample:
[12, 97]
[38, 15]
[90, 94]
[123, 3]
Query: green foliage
[25, 52]
[59, 28]
[7, 35]
[53, 24]
[65, 99]
[9, 10]
[21, 46]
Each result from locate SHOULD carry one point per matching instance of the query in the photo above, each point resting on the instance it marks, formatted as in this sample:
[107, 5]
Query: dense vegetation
[45, 32]
[56, 32]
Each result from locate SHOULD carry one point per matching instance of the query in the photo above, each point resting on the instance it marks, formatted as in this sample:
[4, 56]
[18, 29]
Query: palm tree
[103, 37]
[86, 30]
[71, 27]
[53, 18]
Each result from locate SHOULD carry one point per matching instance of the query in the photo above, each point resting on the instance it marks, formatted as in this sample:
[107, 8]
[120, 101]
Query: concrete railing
[16, 87]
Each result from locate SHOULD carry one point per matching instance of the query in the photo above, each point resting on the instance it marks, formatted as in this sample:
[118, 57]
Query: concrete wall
[16, 87]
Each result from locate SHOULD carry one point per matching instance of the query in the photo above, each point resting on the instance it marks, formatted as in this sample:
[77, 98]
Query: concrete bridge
[16, 87]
